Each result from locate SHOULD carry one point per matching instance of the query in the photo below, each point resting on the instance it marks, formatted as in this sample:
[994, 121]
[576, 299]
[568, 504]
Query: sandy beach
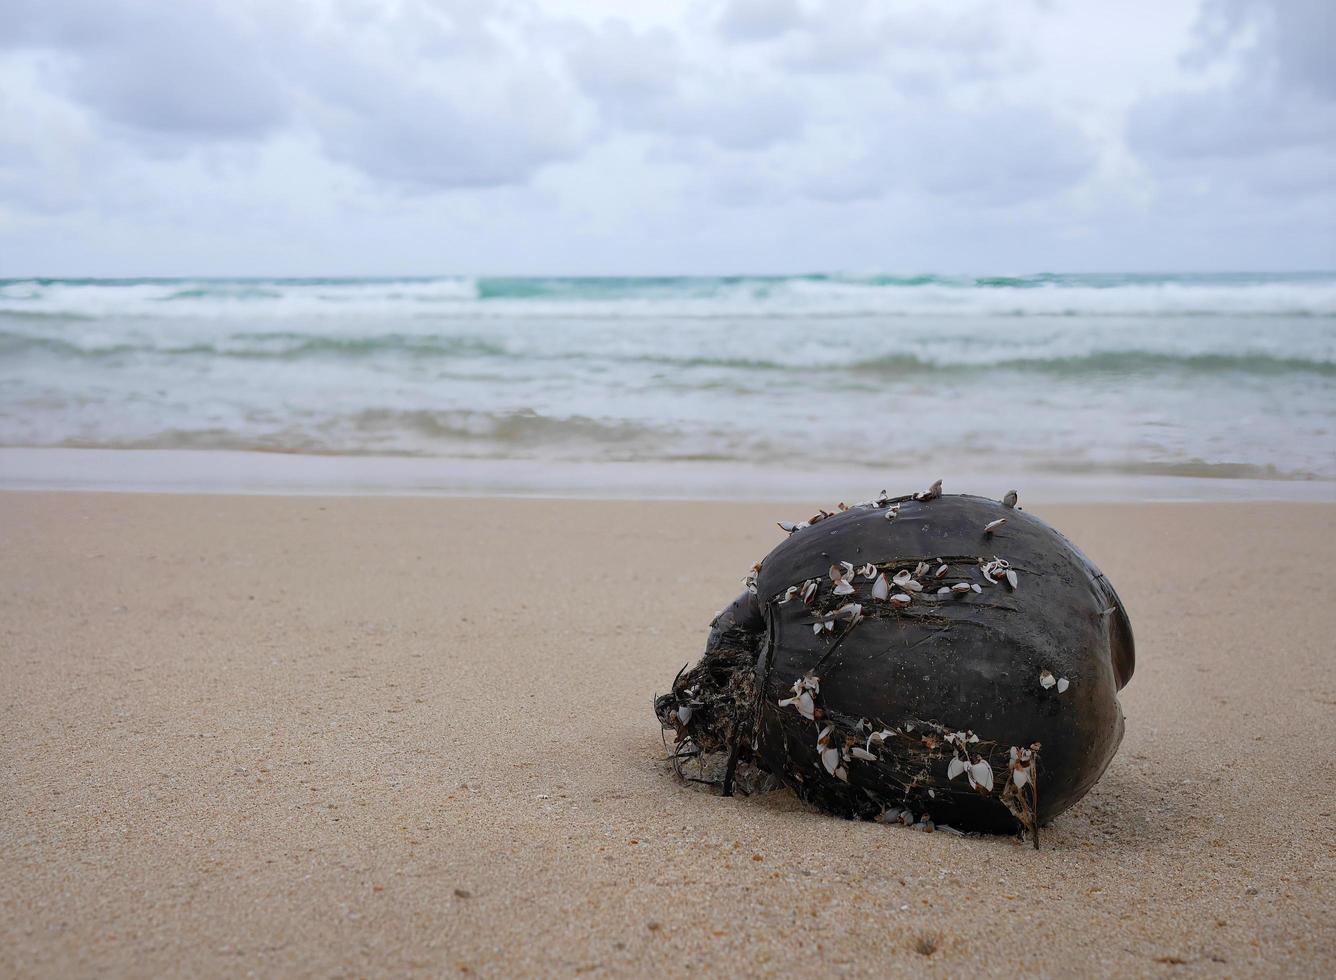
[338, 736]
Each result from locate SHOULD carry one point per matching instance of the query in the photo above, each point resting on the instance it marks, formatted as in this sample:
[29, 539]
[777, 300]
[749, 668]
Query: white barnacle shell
[955, 767]
[1046, 679]
[801, 700]
[981, 775]
[992, 526]
[684, 712]
[863, 754]
[974, 586]
[868, 571]
[901, 577]
[806, 706]
[944, 590]
[901, 599]
[1063, 684]
[881, 588]
[851, 611]
[1020, 776]
[913, 585]
[789, 593]
[891, 513]
[921, 569]
[988, 571]
[932, 493]
[1012, 580]
[941, 572]
[809, 590]
[830, 758]
[838, 575]
[961, 587]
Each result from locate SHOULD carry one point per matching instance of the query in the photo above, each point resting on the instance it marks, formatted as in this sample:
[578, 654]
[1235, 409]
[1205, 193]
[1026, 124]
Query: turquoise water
[1218, 375]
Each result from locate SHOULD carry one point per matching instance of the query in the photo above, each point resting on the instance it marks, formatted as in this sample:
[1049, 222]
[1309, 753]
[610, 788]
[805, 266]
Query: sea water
[1202, 375]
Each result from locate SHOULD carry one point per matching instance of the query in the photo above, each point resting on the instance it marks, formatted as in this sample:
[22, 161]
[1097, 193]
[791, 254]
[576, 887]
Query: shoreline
[231, 472]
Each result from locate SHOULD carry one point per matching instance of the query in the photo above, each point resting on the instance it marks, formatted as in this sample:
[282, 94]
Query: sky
[583, 137]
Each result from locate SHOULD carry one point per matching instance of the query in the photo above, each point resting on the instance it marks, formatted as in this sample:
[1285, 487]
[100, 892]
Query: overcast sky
[277, 137]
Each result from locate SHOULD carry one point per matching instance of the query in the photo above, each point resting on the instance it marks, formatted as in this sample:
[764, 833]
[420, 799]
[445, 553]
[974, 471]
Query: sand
[348, 737]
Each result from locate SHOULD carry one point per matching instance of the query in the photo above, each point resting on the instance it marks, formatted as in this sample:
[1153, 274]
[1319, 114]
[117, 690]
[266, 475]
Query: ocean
[1208, 376]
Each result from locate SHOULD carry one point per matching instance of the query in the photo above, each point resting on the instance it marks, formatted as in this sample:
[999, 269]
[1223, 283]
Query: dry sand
[332, 736]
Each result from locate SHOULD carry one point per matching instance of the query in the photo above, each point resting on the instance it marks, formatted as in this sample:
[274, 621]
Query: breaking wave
[726, 296]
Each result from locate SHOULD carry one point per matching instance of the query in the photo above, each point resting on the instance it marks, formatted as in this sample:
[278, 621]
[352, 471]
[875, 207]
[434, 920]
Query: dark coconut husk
[992, 707]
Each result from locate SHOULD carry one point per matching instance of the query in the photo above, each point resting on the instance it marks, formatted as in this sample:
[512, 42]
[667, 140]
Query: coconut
[989, 704]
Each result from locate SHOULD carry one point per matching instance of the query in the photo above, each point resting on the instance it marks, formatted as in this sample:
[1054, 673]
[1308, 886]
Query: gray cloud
[1272, 126]
[157, 69]
[868, 35]
[997, 157]
[758, 20]
[646, 82]
[428, 96]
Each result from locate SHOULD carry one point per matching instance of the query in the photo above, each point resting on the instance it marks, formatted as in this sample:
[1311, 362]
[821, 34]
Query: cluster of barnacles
[1047, 680]
[882, 501]
[837, 750]
[681, 715]
[1000, 568]
[902, 587]
[976, 770]
[1024, 806]
[892, 507]
[899, 589]
[805, 690]
[749, 580]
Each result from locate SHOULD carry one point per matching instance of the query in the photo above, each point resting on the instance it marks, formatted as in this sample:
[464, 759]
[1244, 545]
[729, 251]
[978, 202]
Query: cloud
[997, 157]
[758, 20]
[1274, 114]
[159, 69]
[431, 102]
[647, 82]
[424, 95]
[867, 35]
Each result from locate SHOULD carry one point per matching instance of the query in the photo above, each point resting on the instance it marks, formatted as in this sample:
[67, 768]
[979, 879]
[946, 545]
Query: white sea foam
[802, 296]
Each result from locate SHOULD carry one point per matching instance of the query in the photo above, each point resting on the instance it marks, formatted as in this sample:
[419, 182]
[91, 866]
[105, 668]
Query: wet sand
[365, 736]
